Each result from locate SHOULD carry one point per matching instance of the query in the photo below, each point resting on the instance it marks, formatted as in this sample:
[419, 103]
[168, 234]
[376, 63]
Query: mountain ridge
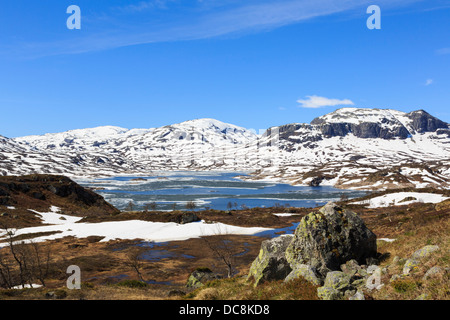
[349, 144]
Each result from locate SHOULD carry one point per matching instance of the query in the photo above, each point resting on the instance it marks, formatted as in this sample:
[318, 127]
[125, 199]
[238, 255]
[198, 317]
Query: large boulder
[271, 263]
[326, 239]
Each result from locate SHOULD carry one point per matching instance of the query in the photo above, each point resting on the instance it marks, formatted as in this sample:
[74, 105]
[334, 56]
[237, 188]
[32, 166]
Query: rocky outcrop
[41, 191]
[386, 126]
[422, 122]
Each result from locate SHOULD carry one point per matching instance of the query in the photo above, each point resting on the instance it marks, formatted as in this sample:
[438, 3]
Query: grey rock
[337, 280]
[351, 267]
[395, 277]
[432, 272]
[305, 271]
[199, 277]
[176, 293]
[271, 263]
[424, 252]
[358, 296]
[410, 265]
[329, 238]
[328, 293]
[188, 217]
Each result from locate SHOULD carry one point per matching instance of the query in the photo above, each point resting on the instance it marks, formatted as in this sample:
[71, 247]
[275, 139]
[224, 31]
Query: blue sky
[253, 63]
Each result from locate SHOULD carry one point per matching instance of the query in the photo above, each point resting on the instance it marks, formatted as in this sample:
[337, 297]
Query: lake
[214, 190]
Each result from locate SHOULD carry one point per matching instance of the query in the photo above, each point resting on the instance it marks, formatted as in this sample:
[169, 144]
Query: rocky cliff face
[377, 123]
[422, 121]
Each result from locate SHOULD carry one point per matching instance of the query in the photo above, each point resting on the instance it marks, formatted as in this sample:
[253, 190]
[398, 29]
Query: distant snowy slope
[347, 148]
[79, 138]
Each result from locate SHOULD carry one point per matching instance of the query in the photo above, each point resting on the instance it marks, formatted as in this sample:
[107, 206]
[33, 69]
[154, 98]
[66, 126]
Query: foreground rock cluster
[332, 248]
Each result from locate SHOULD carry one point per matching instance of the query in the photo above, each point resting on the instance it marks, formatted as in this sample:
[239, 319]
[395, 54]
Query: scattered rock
[328, 293]
[423, 296]
[337, 280]
[357, 296]
[57, 294]
[316, 182]
[271, 263]
[93, 239]
[414, 262]
[176, 293]
[433, 272]
[351, 267]
[305, 271]
[410, 265]
[424, 252]
[186, 217]
[395, 277]
[199, 277]
[408, 199]
[76, 245]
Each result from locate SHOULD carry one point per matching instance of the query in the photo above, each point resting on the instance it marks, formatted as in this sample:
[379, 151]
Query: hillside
[109, 271]
[22, 196]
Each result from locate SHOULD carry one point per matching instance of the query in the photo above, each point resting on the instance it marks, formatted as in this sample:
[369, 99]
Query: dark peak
[422, 121]
[420, 111]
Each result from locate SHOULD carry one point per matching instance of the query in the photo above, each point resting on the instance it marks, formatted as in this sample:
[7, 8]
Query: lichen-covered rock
[424, 252]
[410, 265]
[199, 277]
[337, 280]
[351, 268]
[357, 296]
[423, 296]
[329, 238]
[413, 263]
[328, 293]
[271, 263]
[305, 271]
[433, 272]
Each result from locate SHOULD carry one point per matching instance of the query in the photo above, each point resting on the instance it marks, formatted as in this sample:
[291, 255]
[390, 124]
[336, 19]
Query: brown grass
[238, 288]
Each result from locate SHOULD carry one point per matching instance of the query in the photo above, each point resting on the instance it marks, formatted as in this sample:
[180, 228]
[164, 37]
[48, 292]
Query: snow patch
[396, 199]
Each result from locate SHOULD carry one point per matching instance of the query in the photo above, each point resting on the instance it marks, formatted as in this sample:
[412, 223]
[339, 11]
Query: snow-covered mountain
[360, 148]
[348, 148]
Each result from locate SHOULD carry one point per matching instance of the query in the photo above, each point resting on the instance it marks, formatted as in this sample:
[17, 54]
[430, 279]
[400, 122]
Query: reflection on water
[208, 190]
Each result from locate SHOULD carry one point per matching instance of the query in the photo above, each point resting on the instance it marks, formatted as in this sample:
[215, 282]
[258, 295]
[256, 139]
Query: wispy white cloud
[443, 51]
[173, 20]
[315, 102]
[429, 82]
[143, 6]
